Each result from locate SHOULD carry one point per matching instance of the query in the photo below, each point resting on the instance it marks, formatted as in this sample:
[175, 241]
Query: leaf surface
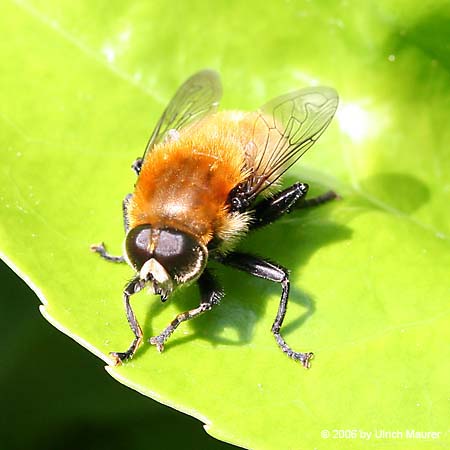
[83, 84]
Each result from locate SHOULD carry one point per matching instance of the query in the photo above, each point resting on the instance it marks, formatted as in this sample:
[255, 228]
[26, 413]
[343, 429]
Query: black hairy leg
[316, 201]
[273, 272]
[210, 294]
[272, 208]
[131, 288]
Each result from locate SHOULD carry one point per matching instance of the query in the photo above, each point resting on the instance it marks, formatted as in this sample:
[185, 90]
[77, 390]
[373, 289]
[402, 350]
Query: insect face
[164, 257]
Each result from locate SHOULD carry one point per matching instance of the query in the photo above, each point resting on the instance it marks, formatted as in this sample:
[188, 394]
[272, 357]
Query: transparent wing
[198, 96]
[284, 130]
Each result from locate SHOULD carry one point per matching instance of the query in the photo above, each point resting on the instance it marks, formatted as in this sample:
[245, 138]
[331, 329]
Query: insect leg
[272, 208]
[125, 203]
[131, 288]
[101, 249]
[273, 272]
[137, 165]
[210, 293]
[292, 198]
[316, 201]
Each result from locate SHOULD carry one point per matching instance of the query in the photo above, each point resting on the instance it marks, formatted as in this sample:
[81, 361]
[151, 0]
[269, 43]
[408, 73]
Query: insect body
[206, 179]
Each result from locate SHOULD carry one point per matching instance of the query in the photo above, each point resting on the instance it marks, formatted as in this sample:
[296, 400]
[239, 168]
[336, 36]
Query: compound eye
[181, 254]
[137, 245]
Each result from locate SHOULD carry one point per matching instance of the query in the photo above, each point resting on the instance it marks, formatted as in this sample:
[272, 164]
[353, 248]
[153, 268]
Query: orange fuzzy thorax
[185, 181]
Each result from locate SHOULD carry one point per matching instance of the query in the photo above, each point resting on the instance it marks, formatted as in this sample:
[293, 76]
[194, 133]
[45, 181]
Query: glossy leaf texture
[83, 83]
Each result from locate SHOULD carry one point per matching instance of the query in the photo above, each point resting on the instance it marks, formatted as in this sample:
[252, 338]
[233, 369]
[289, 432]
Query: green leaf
[83, 82]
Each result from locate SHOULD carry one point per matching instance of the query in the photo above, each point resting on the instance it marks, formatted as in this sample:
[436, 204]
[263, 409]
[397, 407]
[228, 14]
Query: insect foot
[158, 341]
[303, 358]
[119, 357]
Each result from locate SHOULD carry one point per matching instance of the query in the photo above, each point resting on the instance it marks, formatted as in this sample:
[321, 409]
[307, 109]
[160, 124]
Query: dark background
[56, 395]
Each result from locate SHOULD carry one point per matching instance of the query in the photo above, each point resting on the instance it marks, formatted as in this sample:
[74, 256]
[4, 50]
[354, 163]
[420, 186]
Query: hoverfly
[205, 180]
